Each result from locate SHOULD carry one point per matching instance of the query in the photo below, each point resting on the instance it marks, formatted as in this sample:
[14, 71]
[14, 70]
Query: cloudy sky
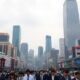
[37, 19]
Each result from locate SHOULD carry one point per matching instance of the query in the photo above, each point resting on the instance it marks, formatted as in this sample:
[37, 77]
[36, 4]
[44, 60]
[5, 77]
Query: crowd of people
[40, 75]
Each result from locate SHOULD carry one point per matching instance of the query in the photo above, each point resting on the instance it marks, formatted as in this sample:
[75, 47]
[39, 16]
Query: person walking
[12, 76]
[46, 76]
[53, 75]
[28, 76]
[77, 76]
[20, 76]
[37, 75]
[2, 76]
[66, 75]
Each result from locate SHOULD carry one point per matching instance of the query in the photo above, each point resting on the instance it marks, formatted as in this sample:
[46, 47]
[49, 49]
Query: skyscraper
[40, 51]
[16, 38]
[4, 37]
[61, 48]
[24, 49]
[24, 53]
[70, 23]
[77, 42]
[48, 43]
[31, 59]
[40, 57]
[53, 60]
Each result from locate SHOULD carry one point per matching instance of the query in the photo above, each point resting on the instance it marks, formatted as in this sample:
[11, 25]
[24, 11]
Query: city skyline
[35, 22]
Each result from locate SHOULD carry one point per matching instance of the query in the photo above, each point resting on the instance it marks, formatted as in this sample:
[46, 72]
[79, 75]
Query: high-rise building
[40, 51]
[31, 59]
[61, 48]
[40, 57]
[48, 44]
[24, 49]
[8, 52]
[61, 56]
[6, 48]
[16, 38]
[71, 25]
[24, 53]
[77, 42]
[4, 37]
[53, 60]
[71, 22]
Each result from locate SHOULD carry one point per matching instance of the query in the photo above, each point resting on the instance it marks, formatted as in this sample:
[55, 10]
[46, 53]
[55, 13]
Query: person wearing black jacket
[66, 75]
[45, 76]
[51, 76]
[37, 76]
[77, 76]
[54, 75]
[2, 77]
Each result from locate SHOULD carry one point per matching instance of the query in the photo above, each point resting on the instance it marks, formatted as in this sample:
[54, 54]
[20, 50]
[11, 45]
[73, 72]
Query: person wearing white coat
[28, 76]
